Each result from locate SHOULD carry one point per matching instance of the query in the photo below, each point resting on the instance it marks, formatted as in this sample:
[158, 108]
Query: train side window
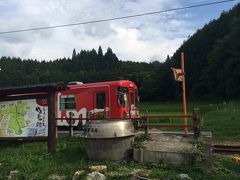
[101, 100]
[67, 102]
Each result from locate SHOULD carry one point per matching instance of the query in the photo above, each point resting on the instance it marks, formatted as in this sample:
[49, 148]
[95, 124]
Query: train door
[101, 104]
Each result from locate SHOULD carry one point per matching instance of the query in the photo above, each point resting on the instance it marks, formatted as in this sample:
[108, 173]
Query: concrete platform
[169, 149]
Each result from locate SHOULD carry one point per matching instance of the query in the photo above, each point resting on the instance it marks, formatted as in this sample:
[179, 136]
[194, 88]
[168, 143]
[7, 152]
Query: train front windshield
[122, 93]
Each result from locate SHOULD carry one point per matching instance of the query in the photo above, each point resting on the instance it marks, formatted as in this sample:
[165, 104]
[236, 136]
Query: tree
[100, 52]
[74, 54]
[110, 59]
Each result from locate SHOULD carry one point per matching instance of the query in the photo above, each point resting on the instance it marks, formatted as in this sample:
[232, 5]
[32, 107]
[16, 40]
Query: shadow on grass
[70, 150]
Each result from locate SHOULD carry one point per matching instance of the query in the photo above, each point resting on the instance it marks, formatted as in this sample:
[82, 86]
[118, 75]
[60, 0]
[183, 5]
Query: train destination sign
[24, 118]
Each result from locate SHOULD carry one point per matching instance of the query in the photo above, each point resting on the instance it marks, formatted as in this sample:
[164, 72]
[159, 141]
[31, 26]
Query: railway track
[226, 149]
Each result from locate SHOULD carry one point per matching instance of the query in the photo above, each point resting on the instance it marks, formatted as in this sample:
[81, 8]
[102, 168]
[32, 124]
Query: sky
[146, 38]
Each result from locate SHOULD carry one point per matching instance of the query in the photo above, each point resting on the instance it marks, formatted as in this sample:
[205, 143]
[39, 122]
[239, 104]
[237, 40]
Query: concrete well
[109, 140]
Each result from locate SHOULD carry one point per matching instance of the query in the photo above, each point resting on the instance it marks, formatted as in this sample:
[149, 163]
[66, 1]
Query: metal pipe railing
[145, 118]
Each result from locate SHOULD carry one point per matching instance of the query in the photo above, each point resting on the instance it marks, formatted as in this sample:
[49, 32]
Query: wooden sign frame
[34, 92]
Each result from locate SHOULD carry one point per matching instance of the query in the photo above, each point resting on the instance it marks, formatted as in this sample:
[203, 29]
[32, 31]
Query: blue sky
[145, 38]
[202, 15]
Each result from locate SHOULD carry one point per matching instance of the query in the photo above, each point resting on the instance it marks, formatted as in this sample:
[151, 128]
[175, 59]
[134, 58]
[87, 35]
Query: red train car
[114, 99]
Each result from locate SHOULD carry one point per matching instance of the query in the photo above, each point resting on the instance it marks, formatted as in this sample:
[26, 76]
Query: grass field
[33, 162]
[223, 119]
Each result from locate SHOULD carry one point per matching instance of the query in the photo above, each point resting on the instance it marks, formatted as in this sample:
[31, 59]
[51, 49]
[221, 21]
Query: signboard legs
[51, 124]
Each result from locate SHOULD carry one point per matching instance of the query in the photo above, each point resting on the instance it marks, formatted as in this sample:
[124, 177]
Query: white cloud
[130, 41]
[18, 24]
[138, 39]
[17, 50]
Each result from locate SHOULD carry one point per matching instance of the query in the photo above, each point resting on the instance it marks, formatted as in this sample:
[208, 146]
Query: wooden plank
[51, 124]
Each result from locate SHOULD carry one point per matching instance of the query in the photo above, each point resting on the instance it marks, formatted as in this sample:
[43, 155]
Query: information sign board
[24, 118]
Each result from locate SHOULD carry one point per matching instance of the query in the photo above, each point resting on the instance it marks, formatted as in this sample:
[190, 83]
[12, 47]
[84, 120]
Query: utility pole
[184, 95]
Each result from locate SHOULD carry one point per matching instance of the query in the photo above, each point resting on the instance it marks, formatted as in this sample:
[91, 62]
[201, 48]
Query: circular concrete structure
[108, 139]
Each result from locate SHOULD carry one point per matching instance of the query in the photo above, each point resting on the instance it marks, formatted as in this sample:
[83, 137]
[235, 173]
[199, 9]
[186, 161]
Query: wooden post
[196, 123]
[70, 124]
[51, 123]
[140, 155]
[184, 95]
[146, 126]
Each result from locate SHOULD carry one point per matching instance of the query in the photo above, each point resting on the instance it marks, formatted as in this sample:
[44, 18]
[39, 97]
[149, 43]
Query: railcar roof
[113, 83]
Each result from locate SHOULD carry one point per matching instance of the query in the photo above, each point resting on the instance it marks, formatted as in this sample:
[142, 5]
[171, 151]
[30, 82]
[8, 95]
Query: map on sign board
[24, 118]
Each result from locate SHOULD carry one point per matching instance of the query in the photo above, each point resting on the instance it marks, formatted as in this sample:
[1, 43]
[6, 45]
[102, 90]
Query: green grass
[220, 118]
[32, 162]
[226, 168]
